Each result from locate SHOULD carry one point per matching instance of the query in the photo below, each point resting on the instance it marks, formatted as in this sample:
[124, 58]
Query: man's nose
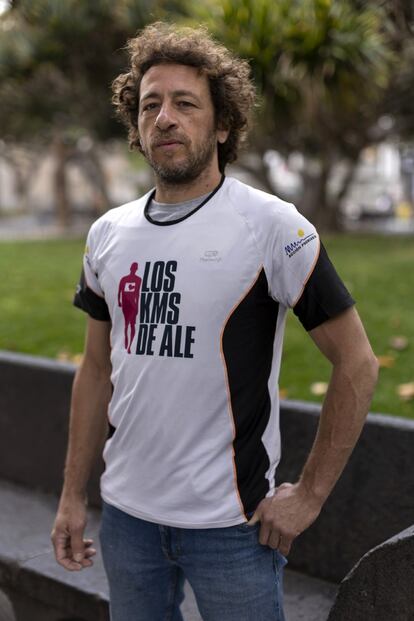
[165, 119]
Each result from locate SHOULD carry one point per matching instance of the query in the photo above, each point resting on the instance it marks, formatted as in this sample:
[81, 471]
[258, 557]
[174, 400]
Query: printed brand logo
[295, 246]
[211, 255]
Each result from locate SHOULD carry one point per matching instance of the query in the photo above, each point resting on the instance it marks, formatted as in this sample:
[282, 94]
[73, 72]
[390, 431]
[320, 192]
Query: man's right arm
[88, 428]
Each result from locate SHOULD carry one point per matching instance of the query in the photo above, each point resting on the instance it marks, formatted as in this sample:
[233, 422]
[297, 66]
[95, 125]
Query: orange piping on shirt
[230, 409]
[309, 274]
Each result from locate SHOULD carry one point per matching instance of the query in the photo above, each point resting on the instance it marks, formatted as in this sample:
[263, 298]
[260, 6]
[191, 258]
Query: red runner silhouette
[128, 299]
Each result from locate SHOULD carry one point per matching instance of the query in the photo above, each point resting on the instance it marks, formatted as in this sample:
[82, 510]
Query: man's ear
[222, 135]
[137, 145]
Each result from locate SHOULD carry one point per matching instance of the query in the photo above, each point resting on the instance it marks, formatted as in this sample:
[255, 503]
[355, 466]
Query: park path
[42, 226]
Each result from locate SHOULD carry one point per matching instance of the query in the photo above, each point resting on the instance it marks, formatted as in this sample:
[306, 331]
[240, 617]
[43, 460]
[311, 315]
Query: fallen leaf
[386, 362]
[283, 393]
[65, 356]
[398, 342]
[319, 388]
[406, 391]
[395, 321]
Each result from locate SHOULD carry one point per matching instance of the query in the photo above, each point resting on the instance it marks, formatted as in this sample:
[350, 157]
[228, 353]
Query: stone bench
[381, 585]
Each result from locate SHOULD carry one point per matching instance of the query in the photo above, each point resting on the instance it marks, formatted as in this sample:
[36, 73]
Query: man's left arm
[294, 507]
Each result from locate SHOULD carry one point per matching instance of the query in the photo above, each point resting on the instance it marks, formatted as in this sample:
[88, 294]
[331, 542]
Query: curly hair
[231, 88]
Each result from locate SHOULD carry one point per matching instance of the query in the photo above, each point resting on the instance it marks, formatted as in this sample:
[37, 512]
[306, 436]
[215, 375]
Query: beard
[188, 169]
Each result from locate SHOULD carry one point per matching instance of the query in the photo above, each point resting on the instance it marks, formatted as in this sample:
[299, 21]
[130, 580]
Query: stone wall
[34, 414]
[372, 501]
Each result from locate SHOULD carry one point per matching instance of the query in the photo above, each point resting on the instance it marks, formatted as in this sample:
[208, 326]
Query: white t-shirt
[200, 302]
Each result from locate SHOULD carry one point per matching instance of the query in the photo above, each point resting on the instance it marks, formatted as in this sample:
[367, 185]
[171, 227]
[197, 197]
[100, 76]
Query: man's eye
[186, 104]
[149, 106]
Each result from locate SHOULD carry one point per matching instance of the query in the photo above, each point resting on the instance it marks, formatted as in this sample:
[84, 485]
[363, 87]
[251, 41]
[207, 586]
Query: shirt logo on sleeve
[296, 245]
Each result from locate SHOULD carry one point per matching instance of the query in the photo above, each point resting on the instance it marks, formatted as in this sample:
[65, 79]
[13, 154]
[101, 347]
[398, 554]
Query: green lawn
[36, 292]
[379, 272]
[37, 316]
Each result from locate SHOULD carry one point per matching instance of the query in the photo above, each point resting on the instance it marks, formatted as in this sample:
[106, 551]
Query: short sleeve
[324, 295]
[89, 296]
[291, 255]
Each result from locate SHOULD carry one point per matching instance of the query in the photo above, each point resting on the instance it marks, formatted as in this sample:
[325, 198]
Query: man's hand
[72, 551]
[285, 516]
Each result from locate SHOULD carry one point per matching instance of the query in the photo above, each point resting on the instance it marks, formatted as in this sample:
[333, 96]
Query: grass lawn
[37, 316]
[36, 292]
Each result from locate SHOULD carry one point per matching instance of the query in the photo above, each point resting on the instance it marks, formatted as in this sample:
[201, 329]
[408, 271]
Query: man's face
[176, 123]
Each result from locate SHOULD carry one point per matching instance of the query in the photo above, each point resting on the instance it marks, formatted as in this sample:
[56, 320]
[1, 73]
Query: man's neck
[179, 193]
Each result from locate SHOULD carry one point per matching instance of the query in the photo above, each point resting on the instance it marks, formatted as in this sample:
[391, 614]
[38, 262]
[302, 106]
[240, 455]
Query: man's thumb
[254, 519]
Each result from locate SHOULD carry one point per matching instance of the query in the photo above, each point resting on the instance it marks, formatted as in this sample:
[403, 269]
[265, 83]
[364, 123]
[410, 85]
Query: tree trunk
[348, 179]
[19, 182]
[313, 203]
[316, 205]
[62, 204]
[23, 166]
[91, 167]
[335, 202]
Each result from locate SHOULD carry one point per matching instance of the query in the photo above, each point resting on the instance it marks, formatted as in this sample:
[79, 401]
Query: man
[189, 486]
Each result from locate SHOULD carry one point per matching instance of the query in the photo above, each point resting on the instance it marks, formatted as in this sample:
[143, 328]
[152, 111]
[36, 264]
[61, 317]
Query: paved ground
[25, 522]
[42, 226]
[306, 599]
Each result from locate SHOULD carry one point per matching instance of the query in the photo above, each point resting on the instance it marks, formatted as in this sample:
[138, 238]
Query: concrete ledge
[373, 500]
[6, 609]
[380, 586]
[34, 414]
[36, 586]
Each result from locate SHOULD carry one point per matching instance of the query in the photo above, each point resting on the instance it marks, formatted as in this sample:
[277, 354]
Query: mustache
[162, 137]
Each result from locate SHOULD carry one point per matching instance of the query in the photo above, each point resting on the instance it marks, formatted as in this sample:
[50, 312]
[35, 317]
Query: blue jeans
[233, 577]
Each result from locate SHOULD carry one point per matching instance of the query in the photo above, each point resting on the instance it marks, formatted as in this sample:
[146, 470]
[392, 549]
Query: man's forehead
[173, 77]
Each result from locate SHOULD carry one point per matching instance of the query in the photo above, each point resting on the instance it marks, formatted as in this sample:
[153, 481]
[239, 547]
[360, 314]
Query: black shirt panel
[247, 345]
[324, 295]
[88, 301]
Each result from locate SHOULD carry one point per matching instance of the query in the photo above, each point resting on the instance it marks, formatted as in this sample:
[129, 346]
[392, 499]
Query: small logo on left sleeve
[296, 245]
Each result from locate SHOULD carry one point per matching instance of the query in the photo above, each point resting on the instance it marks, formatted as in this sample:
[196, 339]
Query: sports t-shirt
[195, 364]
